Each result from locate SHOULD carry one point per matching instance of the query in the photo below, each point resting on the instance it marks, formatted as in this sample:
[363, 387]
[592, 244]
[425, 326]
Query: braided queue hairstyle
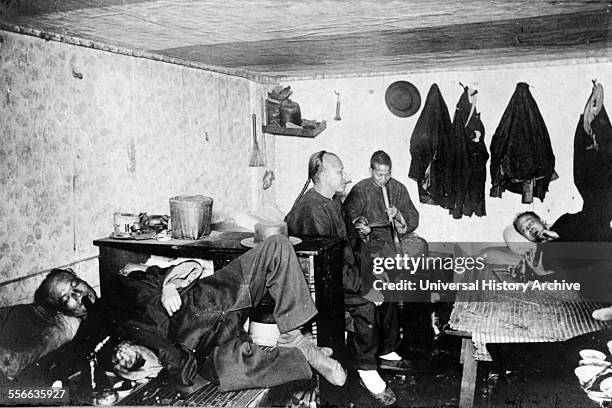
[315, 164]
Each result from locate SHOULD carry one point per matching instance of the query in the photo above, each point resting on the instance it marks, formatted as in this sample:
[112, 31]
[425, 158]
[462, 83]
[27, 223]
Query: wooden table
[506, 316]
[320, 258]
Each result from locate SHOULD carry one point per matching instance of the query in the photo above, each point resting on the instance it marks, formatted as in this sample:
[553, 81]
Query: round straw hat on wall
[403, 99]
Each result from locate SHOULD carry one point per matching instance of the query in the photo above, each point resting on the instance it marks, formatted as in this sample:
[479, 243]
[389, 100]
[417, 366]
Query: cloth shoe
[394, 362]
[387, 397]
[391, 356]
[317, 357]
[402, 365]
[327, 351]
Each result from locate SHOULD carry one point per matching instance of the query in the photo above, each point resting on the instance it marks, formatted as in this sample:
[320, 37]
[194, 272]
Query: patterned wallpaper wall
[86, 133]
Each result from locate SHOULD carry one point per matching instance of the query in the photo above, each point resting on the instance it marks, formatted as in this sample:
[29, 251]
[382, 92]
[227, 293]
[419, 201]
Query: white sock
[372, 381]
[393, 356]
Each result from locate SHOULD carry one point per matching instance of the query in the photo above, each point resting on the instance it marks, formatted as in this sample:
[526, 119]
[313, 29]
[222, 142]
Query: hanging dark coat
[469, 158]
[522, 160]
[593, 160]
[427, 166]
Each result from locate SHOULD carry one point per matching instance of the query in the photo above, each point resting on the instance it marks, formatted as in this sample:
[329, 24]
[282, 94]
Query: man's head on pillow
[65, 292]
[531, 226]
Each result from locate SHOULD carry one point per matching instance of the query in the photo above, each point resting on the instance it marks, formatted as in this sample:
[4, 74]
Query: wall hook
[337, 117]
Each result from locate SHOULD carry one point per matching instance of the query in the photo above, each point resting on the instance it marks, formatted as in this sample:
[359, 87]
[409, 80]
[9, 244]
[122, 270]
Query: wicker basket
[191, 216]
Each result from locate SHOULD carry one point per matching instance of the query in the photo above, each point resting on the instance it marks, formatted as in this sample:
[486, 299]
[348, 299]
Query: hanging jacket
[593, 160]
[427, 167]
[469, 158]
[522, 160]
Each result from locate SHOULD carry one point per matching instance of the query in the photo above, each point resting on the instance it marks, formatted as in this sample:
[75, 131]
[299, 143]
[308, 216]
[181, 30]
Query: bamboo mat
[517, 317]
[160, 391]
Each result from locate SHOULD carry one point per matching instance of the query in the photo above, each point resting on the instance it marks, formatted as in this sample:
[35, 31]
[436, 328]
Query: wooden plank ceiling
[316, 38]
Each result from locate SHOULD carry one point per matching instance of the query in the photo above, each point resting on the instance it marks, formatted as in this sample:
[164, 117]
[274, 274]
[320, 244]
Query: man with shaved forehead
[318, 211]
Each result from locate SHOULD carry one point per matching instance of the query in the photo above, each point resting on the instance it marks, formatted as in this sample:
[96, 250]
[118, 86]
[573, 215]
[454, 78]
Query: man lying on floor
[194, 325]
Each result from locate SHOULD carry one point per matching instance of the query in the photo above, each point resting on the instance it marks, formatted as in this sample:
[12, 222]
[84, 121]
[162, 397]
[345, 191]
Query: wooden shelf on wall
[283, 131]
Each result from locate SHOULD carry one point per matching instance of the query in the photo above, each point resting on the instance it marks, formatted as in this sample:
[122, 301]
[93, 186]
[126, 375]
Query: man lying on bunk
[574, 248]
[193, 325]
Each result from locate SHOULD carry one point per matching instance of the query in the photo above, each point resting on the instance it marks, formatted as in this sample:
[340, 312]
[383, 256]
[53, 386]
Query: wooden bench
[505, 316]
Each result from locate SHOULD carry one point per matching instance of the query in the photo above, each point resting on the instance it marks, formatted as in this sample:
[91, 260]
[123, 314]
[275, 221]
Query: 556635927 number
[34, 395]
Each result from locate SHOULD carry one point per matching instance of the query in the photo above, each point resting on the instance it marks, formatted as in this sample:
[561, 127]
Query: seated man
[366, 209]
[318, 211]
[195, 326]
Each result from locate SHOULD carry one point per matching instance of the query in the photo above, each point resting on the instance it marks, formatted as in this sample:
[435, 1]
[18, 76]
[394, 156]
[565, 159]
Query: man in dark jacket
[318, 211]
[194, 324]
[366, 212]
[365, 206]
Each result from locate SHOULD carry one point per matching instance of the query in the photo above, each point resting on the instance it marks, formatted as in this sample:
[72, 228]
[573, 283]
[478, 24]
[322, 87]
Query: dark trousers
[376, 332]
[212, 314]
[270, 268]
[274, 268]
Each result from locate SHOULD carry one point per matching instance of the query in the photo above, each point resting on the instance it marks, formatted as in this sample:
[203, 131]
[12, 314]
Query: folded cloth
[165, 262]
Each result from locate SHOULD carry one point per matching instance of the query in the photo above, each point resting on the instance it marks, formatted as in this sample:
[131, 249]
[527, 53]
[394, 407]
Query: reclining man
[573, 247]
[194, 324]
[318, 211]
